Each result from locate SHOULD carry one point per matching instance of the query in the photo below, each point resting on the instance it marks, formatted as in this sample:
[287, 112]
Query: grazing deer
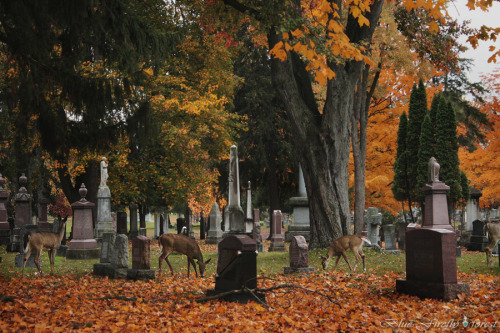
[340, 246]
[47, 241]
[183, 245]
[493, 231]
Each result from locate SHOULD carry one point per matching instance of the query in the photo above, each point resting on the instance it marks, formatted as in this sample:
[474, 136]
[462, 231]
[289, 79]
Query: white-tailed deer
[493, 231]
[47, 241]
[340, 246]
[183, 245]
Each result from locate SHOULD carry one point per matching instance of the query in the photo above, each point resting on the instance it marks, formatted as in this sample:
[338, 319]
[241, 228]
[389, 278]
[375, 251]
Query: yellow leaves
[278, 51]
[433, 26]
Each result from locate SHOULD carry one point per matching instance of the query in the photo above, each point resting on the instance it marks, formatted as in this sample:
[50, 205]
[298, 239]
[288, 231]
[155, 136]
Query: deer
[47, 241]
[341, 245]
[184, 245]
[493, 231]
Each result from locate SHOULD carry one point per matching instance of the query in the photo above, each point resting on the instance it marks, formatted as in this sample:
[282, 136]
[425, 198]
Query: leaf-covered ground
[358, 302]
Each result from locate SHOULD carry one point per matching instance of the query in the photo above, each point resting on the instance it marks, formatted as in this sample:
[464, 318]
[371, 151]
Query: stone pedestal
[299, 256]
[256, 233]
[277, 239]
[83, 245]
[119, 258]
[234, 217]
[19, 259]
[431, 265]
[373, 221]
[107, 246]
[121, 223]
[141, 260]
[436, 206]
[104, 222]
[43, 223]
[301, 224]
[4, 223]
[214, 234]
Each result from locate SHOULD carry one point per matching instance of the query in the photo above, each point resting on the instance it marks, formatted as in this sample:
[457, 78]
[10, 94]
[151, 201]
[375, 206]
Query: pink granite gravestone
[299, 256]
[83, 245]
[141, 260]
[277, 238]
[43, 223]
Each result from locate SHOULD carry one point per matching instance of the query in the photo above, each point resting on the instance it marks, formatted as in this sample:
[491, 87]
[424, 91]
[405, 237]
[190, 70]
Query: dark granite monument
[478, 240]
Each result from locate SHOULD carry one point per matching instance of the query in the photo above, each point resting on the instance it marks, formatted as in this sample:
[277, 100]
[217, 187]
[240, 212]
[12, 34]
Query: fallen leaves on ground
[368, 303]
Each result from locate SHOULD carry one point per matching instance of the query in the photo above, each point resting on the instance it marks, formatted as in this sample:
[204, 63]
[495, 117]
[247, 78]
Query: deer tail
[366, 240]
[27, 237]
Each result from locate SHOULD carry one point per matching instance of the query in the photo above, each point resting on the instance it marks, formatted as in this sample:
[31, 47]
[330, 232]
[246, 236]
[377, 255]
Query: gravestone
[108, 244]
[256, 234]
[249, 216]
[23, 215]
[431, 262]
[431, 265]
[180, 224]
[390, 239]
[234, 217]
[141, 260]
[4, 222]
[104, 222]
[478, 240]
[300, 204]
[236, 267]
[373, 223]
[19, 259]
[121, 223]
[277, 239]
[214, 234]
[43, 223]
[299, 256]
[134, 231]
[119, 258]
[83, 245]
[402, 225]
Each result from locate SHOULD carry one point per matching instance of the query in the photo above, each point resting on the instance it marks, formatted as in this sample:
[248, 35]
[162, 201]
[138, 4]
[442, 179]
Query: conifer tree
[425, 152]
[400, 184]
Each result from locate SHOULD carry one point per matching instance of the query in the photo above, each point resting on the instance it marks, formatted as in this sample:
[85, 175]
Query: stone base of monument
[396, 252]
[116, 273]
[19, 260]
[297, 230]
[292, 270]
[61, 251]
[239, 297]
[83, 253]
[277, 247]
[141, 274]
[102, 268]
[214, 236]
[444, 291]
[477, 243]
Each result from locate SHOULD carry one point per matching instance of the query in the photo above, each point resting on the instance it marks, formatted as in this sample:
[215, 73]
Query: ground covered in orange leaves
[357, 302]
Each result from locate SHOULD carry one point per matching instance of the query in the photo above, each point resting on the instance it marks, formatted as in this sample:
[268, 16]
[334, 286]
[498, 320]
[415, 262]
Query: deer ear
[322, 257]
[206, 262]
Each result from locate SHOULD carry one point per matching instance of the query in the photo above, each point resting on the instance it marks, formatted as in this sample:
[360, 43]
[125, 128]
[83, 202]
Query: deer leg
[346, 260]
[169, 265]
[488, 257]
[363, 258]
[357, 256]
[336, 262]
[52, 259]
[191, 262]
[26, 256]
[37, 261]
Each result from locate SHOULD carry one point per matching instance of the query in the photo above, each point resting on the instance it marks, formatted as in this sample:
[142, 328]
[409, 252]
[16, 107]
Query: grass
[268, 263]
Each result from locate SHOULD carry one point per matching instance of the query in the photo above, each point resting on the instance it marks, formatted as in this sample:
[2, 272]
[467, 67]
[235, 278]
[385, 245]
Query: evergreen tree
[425, 152]
[416, 115]
[447, 150]
[400, 184]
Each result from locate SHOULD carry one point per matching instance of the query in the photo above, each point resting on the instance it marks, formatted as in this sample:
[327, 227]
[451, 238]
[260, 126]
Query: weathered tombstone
[402, 225]
[277, 239]
[104, 221]
[236, 267]
[373, 223]
[299, 256]
[19, 259]
[43, 223]
[23, 215]
[478, 240]
[214, 235]
[164, 223]
[4, 222]
[141, 260]
[234, 217]
[256, 234]
[431, 262]
[156, 219]
[134, 231]
[390, 239]
[108, 244]
[119, 258]
[248, 215]
[121, 223]
[83, 245]
[301, 225]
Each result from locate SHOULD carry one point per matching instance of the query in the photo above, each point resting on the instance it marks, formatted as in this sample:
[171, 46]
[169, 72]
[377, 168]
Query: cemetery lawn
[76, 300]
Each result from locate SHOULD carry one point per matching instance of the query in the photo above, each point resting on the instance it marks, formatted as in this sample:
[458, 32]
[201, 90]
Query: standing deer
[47, 241]
[340, 246]
[183, 245]
[493, 231]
